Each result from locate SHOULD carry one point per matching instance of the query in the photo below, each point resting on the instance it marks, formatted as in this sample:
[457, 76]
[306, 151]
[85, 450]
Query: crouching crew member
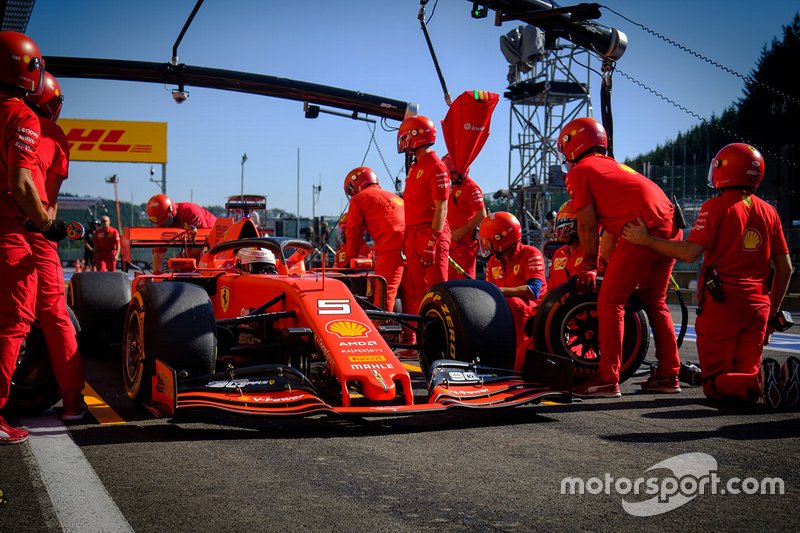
[165, 213]
[517, 269]
[739, 236]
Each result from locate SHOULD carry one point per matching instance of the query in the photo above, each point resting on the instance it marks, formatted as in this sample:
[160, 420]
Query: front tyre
[173, 322]
[467, 320]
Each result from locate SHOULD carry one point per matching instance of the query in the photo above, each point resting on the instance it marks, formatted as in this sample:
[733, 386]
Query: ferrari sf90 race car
[275, 339]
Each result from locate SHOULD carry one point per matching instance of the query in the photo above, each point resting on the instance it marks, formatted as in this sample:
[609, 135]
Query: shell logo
[751, 239]
[347, 328]
[626, 168]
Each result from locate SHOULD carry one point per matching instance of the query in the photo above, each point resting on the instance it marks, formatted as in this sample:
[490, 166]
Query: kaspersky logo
[104, 140]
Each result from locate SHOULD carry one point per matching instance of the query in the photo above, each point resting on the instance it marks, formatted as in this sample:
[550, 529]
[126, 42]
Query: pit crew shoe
[770, 385]
[74, 411]
[74, 407]
[656, 383]
[689, 373]
[11, 435]
[790, 379]
[596, 388]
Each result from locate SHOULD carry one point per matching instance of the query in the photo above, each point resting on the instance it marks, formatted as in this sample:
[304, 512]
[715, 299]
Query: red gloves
[587, 280]
[429, 253]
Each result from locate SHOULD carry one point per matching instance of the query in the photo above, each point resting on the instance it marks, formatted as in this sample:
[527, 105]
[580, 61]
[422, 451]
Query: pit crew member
[517, 269]
[165, 213]
[605, 192]
[426, 192]
[52, 156]
[465, 211]
[21, 73]
[381, 213]
[106, 246]
[739, 236]
[568, 258]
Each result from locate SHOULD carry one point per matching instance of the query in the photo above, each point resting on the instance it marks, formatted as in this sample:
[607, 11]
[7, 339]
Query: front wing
[274, 390]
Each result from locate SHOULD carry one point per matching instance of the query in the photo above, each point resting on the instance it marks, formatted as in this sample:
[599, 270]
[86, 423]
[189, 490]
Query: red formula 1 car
[290, 342]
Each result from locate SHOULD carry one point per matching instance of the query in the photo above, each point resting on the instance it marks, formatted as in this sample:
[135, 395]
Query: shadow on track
[219, 426]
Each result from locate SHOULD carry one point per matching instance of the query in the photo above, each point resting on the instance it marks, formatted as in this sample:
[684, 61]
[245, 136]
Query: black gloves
[54, 230]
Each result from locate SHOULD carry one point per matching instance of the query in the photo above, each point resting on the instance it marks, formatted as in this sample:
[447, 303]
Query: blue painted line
[783, 342]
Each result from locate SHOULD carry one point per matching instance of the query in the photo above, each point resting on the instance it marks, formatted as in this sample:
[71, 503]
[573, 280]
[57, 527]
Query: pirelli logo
[367, 359]
[123, 141]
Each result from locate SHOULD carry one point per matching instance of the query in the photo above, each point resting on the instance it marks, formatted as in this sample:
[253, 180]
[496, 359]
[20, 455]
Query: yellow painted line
[99, 408]
[412, 368]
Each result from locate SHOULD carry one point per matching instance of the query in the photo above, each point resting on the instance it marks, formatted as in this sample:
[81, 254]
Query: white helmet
[256, 261]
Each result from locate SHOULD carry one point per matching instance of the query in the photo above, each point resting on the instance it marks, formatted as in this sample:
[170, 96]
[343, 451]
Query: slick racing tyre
[171, 320]
[99, 300]
[33, 385]
[468, 320]
[566, 324]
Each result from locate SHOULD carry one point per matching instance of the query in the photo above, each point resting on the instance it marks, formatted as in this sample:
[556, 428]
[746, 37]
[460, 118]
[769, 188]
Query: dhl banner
[116, 140]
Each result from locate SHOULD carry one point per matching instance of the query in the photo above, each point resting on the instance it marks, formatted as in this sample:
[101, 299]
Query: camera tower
[548, 88]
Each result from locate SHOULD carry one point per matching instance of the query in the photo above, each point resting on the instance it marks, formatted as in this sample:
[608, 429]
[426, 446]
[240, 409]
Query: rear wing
[152, 237]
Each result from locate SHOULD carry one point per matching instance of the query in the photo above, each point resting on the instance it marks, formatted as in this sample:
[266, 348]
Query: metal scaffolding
[543, 101]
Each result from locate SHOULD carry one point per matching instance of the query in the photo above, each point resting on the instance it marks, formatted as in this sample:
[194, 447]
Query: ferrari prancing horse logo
[225, 297]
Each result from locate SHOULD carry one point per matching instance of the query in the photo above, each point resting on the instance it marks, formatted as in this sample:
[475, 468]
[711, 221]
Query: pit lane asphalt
[459, 471]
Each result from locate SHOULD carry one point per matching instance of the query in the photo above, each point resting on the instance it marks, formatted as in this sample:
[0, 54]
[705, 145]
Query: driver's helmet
[566, 228]
[256, 261]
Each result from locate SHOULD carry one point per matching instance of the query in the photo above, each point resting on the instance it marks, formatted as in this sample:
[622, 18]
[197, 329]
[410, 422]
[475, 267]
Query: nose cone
[378, 387]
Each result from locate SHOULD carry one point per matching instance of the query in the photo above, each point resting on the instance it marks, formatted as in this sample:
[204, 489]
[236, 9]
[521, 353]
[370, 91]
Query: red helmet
[499, 231]
[736, 165]
[566, 227]
[414, 132]
[359, 179]
[21, 63]
[580, 136]
[48, 102]
[159, 209]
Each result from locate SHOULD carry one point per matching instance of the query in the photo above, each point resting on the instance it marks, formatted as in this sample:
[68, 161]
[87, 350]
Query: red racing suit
[741, 234]
[52, 158]
[106, 244]
[525, 266]
[465, 201]
[620, 195]
[185, 214]
[566, 263]
[19, 138]
[428, 180]
[382, 214]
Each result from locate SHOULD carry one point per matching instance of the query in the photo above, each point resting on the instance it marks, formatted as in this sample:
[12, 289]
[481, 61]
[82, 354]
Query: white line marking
[79, 498]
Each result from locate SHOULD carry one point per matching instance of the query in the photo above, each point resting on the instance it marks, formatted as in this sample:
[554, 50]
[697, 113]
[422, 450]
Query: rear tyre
[566, 324]
[99, 300]
[469, 320]
[174, 322]
[33, 386]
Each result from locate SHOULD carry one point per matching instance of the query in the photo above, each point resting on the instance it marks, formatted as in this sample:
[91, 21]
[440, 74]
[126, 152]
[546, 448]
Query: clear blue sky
[373, 46]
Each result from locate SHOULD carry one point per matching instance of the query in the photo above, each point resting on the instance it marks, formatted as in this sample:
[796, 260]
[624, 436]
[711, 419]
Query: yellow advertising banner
[116, 140]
